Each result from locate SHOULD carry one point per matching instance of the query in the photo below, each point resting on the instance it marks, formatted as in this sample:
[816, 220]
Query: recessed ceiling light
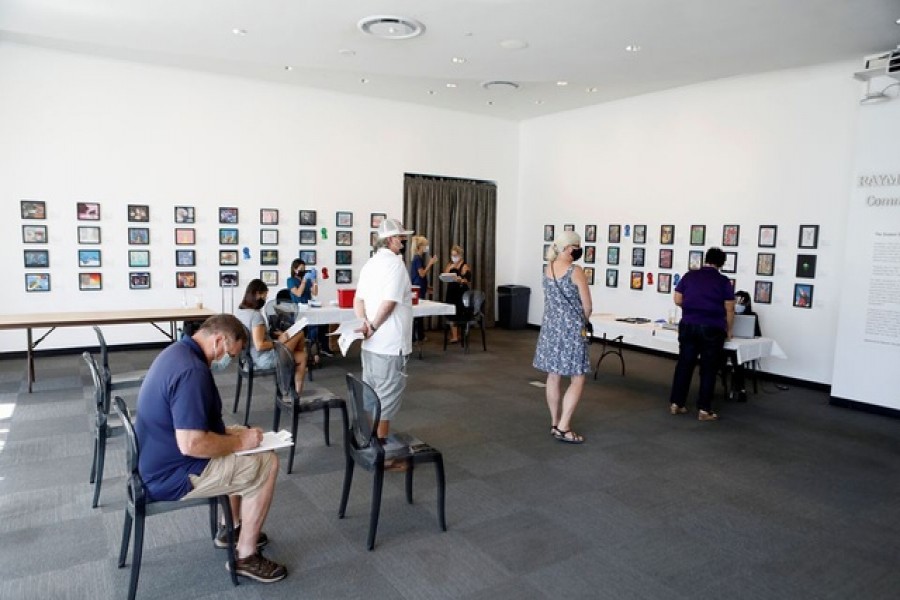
[490, 102]
[346, 52]
[513, 44]
[288, 68]
[237, 31]
[364, 80]
[390, 27]
[458, 60]
[633, 48]
[593, 89]
[431, 92]
[538, 102]
[500, 85]
[451, 85]
[562, 83]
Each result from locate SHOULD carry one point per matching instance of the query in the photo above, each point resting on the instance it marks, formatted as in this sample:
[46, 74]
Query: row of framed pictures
[93, 281]
[40, 259]
[766, 238]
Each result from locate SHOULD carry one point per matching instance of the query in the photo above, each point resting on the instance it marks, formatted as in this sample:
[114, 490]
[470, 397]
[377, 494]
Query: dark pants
[695, 341]
[418, 329]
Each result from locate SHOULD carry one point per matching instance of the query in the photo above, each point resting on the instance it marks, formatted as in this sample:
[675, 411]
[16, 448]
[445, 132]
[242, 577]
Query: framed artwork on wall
[138, 213]
[33, 209]
[698, 235]
[88, 211]
[590, 234]
[589, 274]
[268, 216]
[664, 283]
[612, 255]
[765, 264]
[90, 282]
[185, 279]
[615, 234]
[695, 259]
[308, 256]
[637, 280]
[268, 237]
[731, 234]
[184, 214]
[612, 278]
[806, 266]
[343, 257]
[546, 250]
[307, 217]
[37, 282]
[768, 234]
[307, 237]
[185, 258]
[139, 258]
[89, 258]
[228, 258]
[228, 215]
[375, 220]
[343, 238]
[88, 235]
[637, 257]
[185, 236]
[809, 236]
[35, 234]
[343, 219]
[343, 276]
[640, 234]
[569, 227]
[37, 259]
[762, 292]
[667, 235]
[590, 255]
[549, 232]
[803, 295]
[268, 257]
[139, 281]
[665, 258]
[228, 279]
[730, 265]
[228, 237]
[139, 236]
[269, 276]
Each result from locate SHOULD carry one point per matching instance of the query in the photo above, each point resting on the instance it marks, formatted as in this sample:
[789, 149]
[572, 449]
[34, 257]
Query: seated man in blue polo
[186, 450]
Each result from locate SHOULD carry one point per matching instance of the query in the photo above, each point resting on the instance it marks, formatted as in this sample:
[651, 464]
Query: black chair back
[285, 372]
[136, 490]
[101, 401]
[474, 301]
[365, 413]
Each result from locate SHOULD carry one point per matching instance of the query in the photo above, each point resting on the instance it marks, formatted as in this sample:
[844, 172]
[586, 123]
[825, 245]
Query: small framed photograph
[695, 260]
[268, 237]
[36, 234]
[269, 276]
[698, 235]
[637, 257]
[665, 258]
[89, 258]
[733, 283]
[342, 276]
[640, 234]
[138, 213]
[228, 237]
[806, 266]
[90, 282]
[139, 259]
[762, 292]
[612, 278]
[308, 256]
[228, 258]
[765, 264]
[37, 259]
[375, 220]
[373, 238]
[37, 282]
[589, 274]
[307, 217]
[268, 257]
[184, 214]
[615, 234]
[228, 215]
[803, 295]
[612, 255]
[569, 227]
[139, 236]
[590, 234]
[88, 235]
[88, 211]
[268, 216]
[185, 258]
[666, 235]
[307, 237]
[809, 236]
[228, 279]
[768, 235]
[185, 236]
[637, 280]
[343, 238]
[590, 254]
[185, 279]
[664, 283]
[549, 232]
[33, 209]
[731, 234]
[343, 219]
[343, 257]
[730, 265]
[139, 281]
[546, 250]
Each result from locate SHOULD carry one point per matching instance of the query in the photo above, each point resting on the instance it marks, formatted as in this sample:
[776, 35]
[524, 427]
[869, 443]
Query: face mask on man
[402, 246]
[576, 253]
[739, 308]
[221, 364]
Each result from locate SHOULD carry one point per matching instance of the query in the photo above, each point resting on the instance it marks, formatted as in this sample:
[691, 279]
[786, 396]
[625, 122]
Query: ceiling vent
[494, 86]
[391, 28]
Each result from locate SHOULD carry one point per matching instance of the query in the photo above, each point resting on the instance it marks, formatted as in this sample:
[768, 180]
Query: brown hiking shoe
[260, 568]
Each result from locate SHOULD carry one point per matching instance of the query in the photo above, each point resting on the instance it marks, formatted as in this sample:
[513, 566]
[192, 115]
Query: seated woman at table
[456, 289]
[262, 348]
[742, 306]
[303, 285]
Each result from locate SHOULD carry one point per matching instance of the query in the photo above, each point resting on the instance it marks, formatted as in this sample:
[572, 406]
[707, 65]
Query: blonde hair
[418, 243]
[566, 238]
[458, 249]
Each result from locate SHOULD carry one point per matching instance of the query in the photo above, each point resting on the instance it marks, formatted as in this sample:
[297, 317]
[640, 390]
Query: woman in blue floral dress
[562, 350]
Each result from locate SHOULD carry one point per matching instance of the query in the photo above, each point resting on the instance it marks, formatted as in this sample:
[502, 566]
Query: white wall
[769, 149]
[77, 128]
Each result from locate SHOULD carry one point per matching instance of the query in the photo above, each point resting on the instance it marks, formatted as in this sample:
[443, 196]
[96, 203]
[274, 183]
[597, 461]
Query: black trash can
[512, 303]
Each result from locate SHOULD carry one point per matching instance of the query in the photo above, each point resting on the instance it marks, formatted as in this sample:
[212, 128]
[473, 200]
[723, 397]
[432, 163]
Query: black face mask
[301, 273]
[576, 253]
[402, 246]
[260, 303]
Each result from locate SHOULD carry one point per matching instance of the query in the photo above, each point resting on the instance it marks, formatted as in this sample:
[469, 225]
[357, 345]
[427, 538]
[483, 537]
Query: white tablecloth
[328, 314]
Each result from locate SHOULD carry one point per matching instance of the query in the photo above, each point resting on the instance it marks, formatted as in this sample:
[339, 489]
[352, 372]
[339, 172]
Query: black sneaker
[260, 568]
[221, 540]
[326, 352]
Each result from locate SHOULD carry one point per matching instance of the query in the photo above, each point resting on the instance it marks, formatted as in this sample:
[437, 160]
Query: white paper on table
[348, 334]
[297, 327]
[447, 277]
[271, 441]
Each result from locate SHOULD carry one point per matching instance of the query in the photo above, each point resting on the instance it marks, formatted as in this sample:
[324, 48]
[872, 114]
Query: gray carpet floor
[785, 497]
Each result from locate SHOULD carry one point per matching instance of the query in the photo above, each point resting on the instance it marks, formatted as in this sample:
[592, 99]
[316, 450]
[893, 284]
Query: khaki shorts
[232, 475]
[387, 376]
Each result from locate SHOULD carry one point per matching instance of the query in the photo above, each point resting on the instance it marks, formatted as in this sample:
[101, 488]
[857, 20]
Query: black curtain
[455, 212]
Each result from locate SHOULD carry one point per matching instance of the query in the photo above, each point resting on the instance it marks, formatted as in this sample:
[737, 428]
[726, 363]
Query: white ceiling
[579, 41]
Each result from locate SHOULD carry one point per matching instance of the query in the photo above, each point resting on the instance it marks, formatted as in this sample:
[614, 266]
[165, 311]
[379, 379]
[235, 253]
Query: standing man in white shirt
[384, 302]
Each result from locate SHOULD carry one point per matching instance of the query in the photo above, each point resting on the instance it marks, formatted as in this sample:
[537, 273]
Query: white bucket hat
[392, 227]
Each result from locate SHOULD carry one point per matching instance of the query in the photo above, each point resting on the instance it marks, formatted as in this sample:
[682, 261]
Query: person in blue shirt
[303, 285]
[188, 452]
[418, 276]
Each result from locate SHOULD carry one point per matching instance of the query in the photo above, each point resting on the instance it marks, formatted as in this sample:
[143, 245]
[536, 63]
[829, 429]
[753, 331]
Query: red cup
[415, 296]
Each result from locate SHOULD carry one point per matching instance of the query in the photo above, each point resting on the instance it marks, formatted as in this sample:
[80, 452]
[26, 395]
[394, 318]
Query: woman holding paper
[457, 286]
[262, 348]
